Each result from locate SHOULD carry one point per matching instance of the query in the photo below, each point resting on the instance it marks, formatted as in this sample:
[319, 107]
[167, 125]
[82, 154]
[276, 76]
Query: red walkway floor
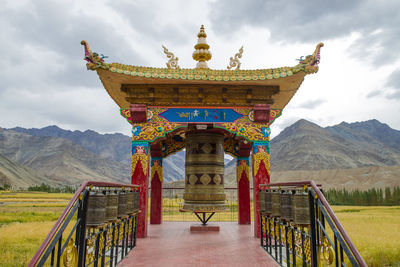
[172, 244]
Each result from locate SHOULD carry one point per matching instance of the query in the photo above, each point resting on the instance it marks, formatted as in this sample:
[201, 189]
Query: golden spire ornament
[201, 54]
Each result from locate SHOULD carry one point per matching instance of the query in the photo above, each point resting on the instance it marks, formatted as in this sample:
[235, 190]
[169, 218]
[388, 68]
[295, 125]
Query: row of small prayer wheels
[287, 205]
[110, 205]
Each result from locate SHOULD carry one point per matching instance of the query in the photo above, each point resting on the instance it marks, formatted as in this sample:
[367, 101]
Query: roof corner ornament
[94, 60]
[311, 62]
[202, 54]
[235, 62]
[173, 61]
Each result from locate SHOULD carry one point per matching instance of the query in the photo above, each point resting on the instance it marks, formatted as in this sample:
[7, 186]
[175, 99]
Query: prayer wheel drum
[96, 209]
[276, 204]
[135, 201]
[261, 201]
[301, 207]
[111, 206]
[130, 199]
[268, 202]
[122, 204]
[204, 173]
[287, 206]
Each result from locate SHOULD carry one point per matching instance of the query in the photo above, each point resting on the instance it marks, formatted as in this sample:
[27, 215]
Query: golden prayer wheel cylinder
[276, 204]
[268, 202]
[261, 201]
[204, 173]
[111, 206]
[96, 209]
[130, 199]
[287, 206]
[122, 204]
[301, 206]
[135, 201]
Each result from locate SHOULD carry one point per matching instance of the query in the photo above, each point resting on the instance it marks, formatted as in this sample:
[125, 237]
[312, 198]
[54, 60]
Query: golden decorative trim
[69, 257]
[257, 158]
[242, 168]
[144, 160]
[326, 253]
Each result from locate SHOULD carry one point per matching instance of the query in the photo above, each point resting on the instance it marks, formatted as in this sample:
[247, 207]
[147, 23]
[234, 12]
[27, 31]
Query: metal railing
[72, 243]
[322, 242]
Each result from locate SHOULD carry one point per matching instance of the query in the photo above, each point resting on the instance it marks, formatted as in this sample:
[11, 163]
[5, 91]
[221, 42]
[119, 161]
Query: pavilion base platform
[204, 227]
[172, 244]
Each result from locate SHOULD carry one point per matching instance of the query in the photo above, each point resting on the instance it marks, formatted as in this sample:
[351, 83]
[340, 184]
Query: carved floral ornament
[235, 62]
[173, 61]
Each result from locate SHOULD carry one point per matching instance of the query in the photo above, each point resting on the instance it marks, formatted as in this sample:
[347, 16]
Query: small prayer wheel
[130, 198]
[136, 199]
[268, 202]
[122, 204]
[111, 206]
[96, 209]
[301, 206]
[261, 201]
[276, 204]
[287, 206]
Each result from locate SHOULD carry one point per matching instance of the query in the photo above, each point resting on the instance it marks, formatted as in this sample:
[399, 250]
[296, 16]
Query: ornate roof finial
[201, 54]
[235, 62]
[173, 61]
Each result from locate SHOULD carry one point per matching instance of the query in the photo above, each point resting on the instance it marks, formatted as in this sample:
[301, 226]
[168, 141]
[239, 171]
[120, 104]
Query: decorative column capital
[242, 166]
[156, 168]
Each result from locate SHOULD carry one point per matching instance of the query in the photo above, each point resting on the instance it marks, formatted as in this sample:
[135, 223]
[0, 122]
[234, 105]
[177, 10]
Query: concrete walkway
[172, 244]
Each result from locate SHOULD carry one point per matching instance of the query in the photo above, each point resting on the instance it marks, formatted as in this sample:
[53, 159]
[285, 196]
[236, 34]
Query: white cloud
[44, 79]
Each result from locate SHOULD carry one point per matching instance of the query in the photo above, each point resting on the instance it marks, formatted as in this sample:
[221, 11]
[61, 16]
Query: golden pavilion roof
[128, 84]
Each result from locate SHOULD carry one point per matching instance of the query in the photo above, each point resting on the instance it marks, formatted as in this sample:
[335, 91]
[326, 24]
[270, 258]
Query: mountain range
[353, 155]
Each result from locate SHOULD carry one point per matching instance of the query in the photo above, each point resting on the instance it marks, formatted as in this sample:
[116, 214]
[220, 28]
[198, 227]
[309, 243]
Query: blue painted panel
[200, 115]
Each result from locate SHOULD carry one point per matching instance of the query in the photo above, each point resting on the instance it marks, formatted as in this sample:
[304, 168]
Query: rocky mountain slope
[60, 160]
[356, 154]
[109, 146]
[362, 178]
[18, 176]
[307, 146]
[115, 147]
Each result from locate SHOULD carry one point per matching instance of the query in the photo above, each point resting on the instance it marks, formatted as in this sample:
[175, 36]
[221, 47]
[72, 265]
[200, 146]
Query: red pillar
[156, 191]
[140, 176]
[242, 174]
[261, 171]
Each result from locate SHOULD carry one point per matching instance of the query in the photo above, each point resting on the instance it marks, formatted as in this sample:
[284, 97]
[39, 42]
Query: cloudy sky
[44, 80]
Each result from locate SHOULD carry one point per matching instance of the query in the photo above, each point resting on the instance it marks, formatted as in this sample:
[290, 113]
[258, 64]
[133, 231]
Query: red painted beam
[261, 113]
[138, 112]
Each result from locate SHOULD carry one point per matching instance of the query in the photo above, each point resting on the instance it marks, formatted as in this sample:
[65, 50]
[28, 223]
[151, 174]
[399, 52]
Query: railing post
[314, 241]
[82, 229]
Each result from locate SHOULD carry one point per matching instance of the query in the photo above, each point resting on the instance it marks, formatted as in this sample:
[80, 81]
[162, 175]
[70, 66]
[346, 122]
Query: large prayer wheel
[204, 173]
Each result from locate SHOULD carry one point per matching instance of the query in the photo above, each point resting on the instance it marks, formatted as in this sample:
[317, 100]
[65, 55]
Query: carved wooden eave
[128, 84]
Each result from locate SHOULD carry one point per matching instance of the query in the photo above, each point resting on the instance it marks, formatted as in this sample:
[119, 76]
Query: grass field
[26, 219]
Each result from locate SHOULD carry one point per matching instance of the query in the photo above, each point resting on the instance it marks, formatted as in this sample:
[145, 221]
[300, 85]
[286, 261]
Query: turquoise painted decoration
[215, 115]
